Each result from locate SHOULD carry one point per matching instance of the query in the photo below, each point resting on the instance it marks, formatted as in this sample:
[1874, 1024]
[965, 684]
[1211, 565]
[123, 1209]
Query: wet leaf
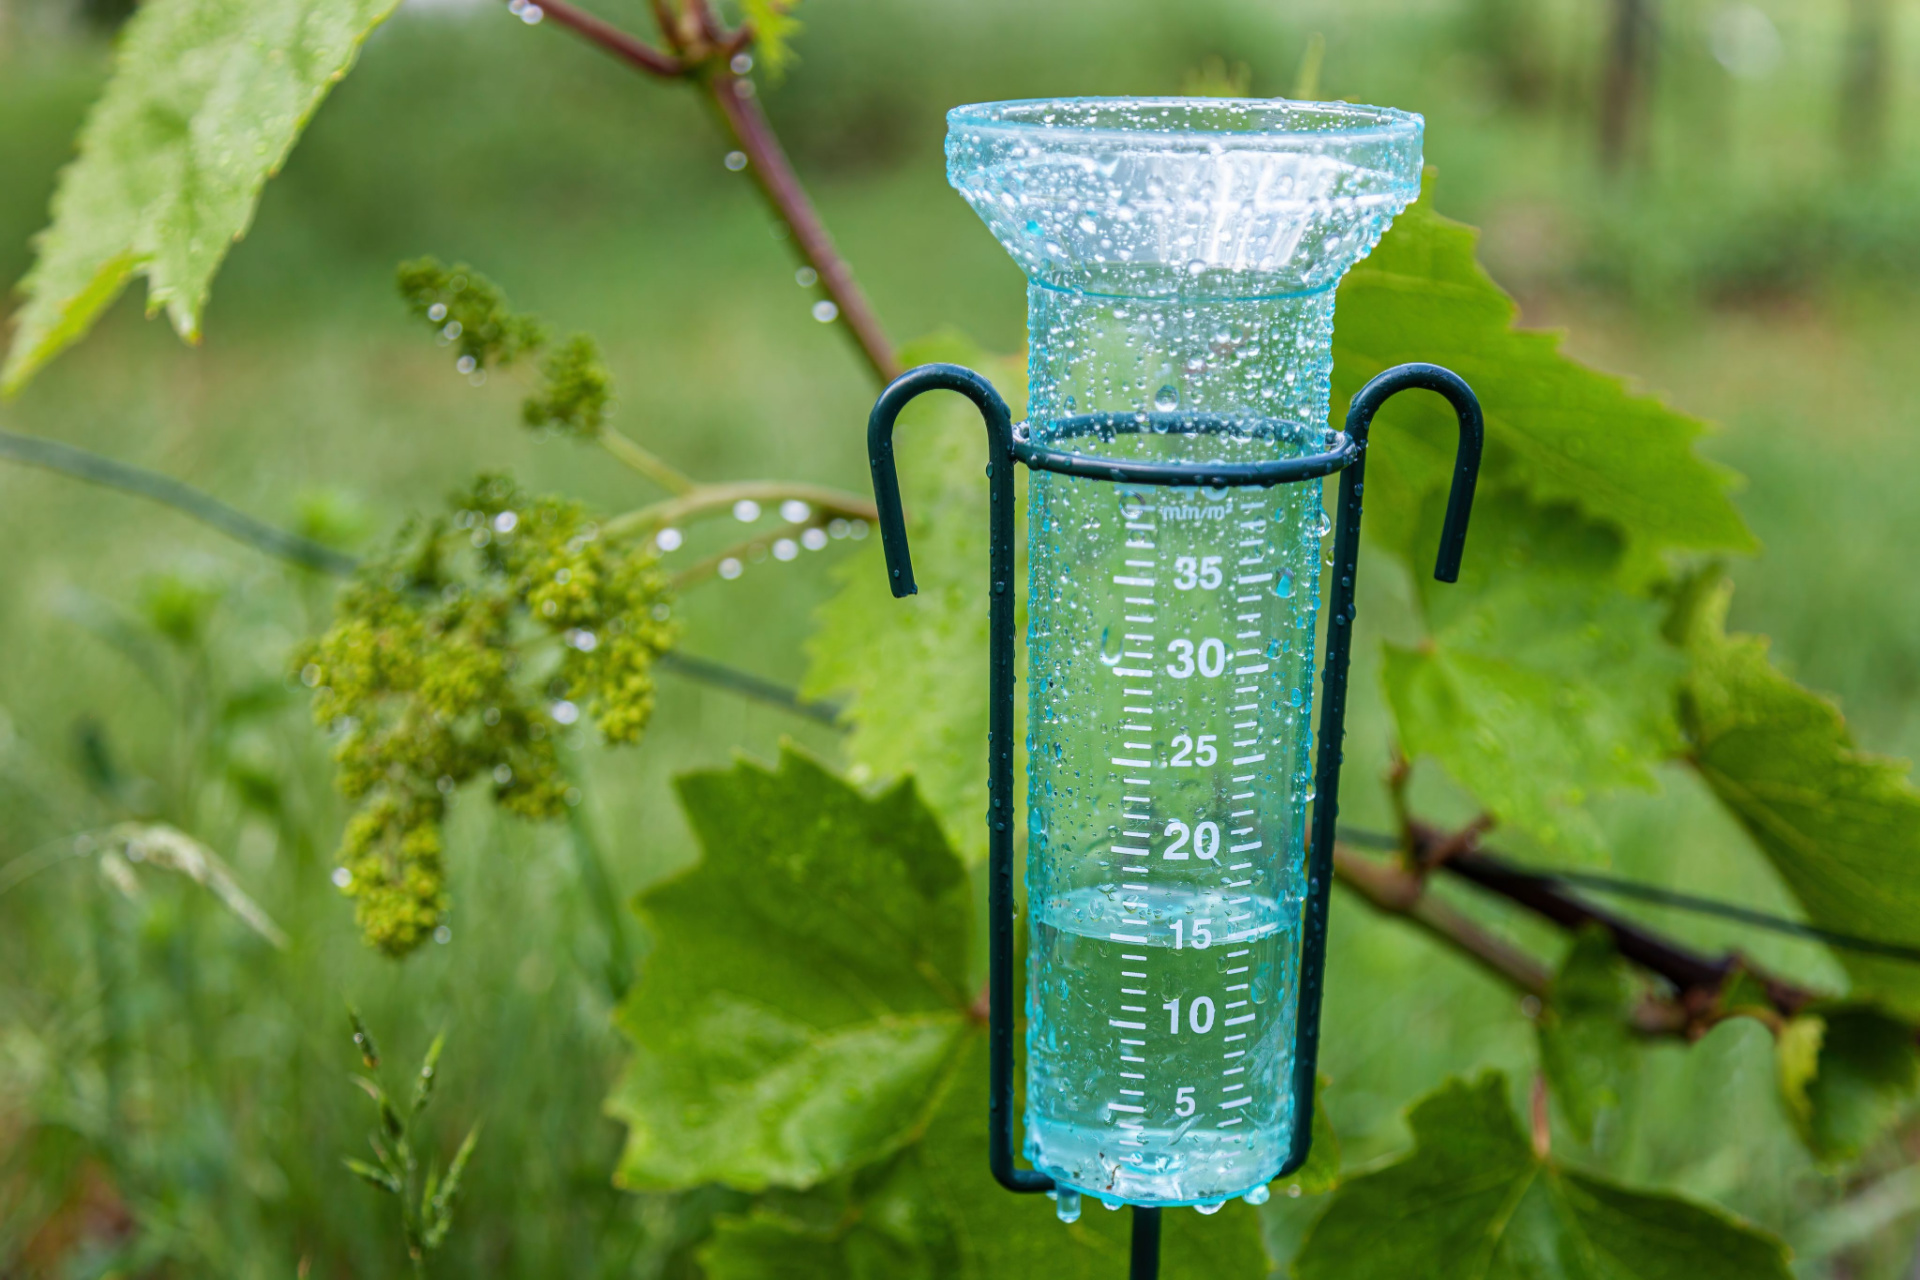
[1321, 1173]
[1556, 429]
[935, 1211]
[1543, 683]
[1840, 825]
[205, 103]
[916, 669]
[1473, 1202]
[1847, 1072]
[1586, 1043]
[806, 997]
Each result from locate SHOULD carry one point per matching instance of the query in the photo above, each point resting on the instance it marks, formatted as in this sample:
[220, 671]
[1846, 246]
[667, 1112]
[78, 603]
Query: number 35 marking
[1203, 573]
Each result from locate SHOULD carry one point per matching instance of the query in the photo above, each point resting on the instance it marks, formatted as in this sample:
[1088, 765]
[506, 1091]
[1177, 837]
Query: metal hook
[886, 478]
[1466, 459]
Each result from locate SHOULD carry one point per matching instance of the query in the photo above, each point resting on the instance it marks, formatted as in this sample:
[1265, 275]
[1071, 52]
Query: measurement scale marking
[1138, 764]
[1126, 1026]
[1255, 758]
[1124, 580]
[1124, 1106]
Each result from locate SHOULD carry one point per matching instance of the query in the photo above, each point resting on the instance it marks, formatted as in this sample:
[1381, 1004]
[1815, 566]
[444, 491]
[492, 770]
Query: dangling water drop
[1067, 1205]
[1258, 1196]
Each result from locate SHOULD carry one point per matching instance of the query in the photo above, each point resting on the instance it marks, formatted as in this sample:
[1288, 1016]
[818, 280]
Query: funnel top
[1185, 196]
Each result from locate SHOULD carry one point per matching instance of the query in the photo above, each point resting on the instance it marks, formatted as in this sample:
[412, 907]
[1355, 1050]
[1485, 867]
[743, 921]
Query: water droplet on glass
[1283, 584]
[1167, 398]
[1067, 1206]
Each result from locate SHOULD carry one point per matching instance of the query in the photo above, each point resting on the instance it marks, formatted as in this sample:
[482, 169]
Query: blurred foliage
[167, 1078]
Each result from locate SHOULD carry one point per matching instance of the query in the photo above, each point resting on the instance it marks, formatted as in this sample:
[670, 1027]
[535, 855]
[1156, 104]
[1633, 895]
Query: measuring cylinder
[1181, 258]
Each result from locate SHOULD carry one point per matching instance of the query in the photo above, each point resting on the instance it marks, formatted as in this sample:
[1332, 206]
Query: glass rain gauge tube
[1181, 258]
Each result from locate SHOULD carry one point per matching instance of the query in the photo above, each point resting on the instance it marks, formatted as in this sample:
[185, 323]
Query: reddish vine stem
[704, 48]
[767, 164]
[1696, 978]
[629, 49]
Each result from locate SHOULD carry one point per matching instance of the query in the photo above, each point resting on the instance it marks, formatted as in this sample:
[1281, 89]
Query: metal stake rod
[1347, 456]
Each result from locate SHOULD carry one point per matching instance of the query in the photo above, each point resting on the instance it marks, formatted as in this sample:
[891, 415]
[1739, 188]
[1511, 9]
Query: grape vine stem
[703, 49]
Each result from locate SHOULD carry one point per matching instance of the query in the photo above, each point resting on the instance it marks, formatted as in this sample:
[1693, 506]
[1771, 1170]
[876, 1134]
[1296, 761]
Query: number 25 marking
[1188, 750]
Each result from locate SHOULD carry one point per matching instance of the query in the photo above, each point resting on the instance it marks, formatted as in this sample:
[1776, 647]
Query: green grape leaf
[935, 1211]
[1557, 429]
[1543, 683]
[807, 993]
[1847, 1071]
[1586, 1044]
[1472, 1201]
[1841, 826]
[206, 100]
[916, 669]
[1321, 1173]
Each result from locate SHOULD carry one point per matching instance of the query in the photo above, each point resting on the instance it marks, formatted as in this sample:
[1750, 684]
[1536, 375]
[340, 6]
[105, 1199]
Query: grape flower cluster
[462, 653]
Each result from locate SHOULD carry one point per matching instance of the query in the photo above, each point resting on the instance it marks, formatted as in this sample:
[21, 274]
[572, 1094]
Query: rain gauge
[1181, 256]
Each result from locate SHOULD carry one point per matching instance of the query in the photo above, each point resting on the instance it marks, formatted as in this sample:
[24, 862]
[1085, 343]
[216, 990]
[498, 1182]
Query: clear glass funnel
[1181, 257]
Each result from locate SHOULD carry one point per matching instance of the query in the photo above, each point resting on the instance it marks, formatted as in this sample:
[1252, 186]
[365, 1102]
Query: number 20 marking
[1206, 840]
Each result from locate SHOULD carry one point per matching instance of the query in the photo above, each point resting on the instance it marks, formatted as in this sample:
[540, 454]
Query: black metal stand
[1005, 446]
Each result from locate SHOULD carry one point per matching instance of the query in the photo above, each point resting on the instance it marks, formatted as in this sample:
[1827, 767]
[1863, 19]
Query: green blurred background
[1718, 201]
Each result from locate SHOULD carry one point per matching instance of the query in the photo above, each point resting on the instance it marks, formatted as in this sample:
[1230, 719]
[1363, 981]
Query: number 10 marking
[1199, 1015]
